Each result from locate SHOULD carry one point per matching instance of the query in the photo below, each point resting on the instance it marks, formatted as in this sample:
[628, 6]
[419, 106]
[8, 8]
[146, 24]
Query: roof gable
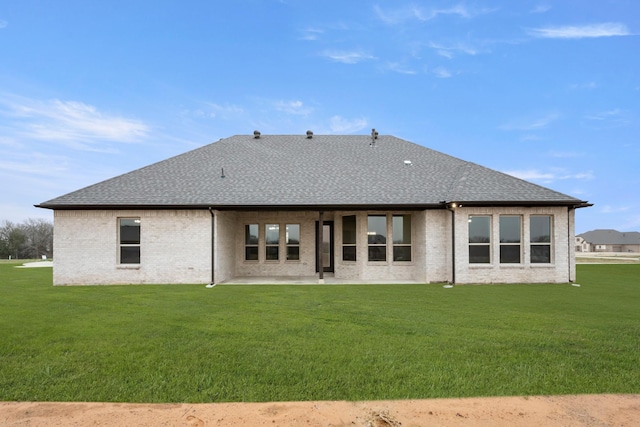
[294, 170]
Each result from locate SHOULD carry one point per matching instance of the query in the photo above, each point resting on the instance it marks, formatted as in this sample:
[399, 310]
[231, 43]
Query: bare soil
[566, 411]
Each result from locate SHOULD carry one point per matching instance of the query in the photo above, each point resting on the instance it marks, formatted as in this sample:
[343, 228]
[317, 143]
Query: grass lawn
[284, 343]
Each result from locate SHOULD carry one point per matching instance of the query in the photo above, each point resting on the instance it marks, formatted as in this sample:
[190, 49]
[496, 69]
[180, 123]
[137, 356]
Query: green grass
[284, 343]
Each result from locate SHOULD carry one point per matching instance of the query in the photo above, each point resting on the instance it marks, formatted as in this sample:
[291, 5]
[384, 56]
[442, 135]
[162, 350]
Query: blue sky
[548, 91]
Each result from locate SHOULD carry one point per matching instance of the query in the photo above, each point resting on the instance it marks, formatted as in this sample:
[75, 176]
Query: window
[479, 239]
[292, 239]
[510, 238]
[540, 236]
[349, 238]
[377, 237]
[272, 241]
[129, 237]
[401, 232]
[251, 236]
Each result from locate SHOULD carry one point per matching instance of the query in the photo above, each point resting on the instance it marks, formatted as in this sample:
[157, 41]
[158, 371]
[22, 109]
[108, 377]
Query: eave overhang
[574, 204]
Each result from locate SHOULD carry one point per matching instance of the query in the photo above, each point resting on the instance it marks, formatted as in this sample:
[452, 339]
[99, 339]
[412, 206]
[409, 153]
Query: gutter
[574, 204]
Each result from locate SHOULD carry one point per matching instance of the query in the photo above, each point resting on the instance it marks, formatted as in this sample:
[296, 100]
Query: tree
[32, 239]
[39, 237]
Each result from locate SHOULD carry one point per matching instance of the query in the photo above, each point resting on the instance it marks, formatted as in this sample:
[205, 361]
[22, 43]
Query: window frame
[135, 244]
[536, 244]
[380, 248]
[350, 242]
[249, 244]
[474, 245]
[402, 244]
[290, 246]
[271, 249]
[508, 245]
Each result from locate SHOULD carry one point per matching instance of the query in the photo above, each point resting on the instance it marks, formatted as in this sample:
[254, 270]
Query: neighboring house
[582, 245]
[609, 241]
[251, 205]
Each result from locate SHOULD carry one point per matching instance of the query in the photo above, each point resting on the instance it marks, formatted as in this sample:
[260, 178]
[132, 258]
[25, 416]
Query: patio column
[319, 248]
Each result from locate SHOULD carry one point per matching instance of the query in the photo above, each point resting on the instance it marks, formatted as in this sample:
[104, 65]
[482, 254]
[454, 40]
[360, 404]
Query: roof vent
[309, 134]
[408, 163]
[374, 136]
[256, 134]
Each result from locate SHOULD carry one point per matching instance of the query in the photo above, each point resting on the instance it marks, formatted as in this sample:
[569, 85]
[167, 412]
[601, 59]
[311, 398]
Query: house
[608, 241]
[368, 208]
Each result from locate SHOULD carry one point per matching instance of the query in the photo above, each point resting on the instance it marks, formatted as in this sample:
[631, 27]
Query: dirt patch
[567, 411]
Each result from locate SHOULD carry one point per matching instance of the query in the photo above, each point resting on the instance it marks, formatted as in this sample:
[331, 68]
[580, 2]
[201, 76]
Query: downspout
[569, 242]
[213, 248]
[453, 245]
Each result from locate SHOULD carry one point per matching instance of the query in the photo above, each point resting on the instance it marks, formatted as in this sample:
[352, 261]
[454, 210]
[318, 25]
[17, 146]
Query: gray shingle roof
[294, 171]
[611, 237]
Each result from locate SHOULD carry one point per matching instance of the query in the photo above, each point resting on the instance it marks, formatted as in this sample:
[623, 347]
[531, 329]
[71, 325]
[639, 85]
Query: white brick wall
[561, 269]
[226, 238]
[175, 247]
[438, 245]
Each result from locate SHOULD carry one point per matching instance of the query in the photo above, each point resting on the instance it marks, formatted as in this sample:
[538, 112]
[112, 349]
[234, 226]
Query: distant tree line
[31, 239]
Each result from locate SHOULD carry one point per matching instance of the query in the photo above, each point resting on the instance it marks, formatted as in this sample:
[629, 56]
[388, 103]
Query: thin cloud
[340, 125]
[76, 123]
[311, 34]
[530, 124]
[449, 51]
[608, 119]
[400, 69]
[33, 163]
[427, 15]
[422, 14]
[607, 29]
[531, 137]
[347, 57]
[584, 86]
[548, 176]
[606, 115]
[224, 112]
[564, 154]
[293, 107]
[541, 8]
[614, 209]
[442, 73]
[532, 175]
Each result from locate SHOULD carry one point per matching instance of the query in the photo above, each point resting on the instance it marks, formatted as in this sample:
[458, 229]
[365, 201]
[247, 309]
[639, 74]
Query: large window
[251, 238]
[129, 240]
[540, 238]
[349, 238]
[292, 240]
[377, 237]
[480, 239]
[272, 241]
[401, 232]
[510, 239]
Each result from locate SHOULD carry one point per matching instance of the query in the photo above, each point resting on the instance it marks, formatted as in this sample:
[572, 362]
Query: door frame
[331, 267]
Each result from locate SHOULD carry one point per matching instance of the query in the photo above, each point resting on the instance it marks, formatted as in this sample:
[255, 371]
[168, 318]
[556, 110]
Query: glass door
[327, 246]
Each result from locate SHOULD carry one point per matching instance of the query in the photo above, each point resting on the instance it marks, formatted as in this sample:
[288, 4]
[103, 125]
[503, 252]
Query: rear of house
[370, 208]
